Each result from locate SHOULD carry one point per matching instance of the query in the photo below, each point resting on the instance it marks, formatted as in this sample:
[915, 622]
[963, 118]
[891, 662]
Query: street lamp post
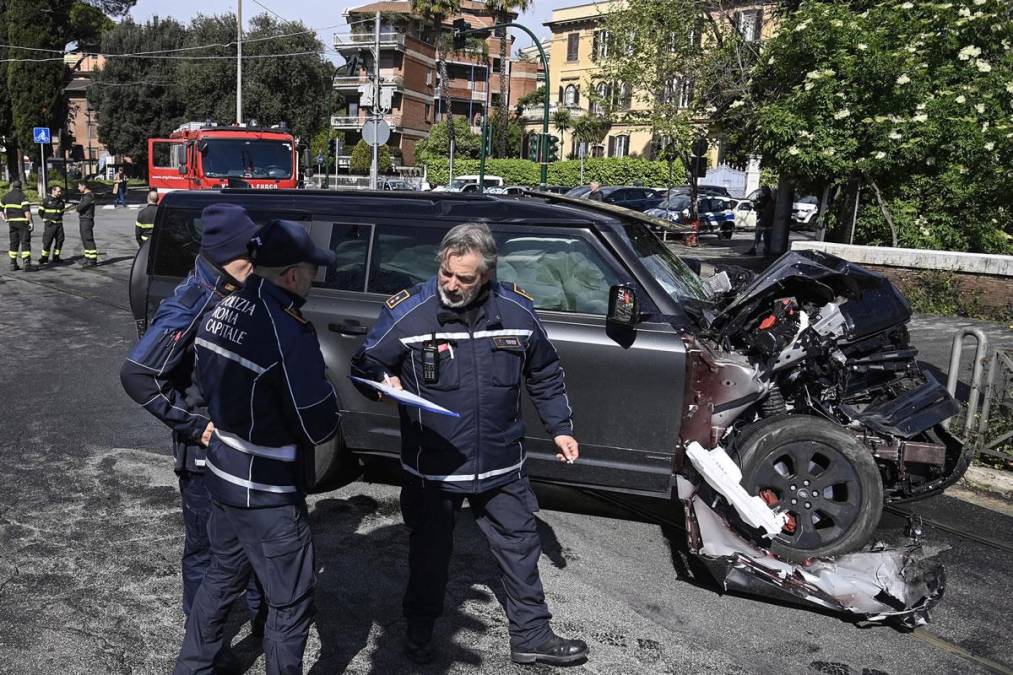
[544, 169]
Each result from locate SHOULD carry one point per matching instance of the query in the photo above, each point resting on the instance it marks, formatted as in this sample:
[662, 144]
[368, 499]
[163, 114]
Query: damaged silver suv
[804, 374]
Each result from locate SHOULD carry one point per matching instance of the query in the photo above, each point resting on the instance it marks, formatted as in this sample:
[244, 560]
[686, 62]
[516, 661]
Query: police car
[803, 373]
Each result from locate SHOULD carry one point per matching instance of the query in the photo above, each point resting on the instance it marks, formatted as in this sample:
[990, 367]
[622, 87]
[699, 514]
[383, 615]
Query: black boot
[29, 267]
[43, 260]
[555, 651]
[418, 642]
[56, 258]
[14, 265]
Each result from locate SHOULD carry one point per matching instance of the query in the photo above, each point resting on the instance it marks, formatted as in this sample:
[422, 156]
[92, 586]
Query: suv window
[350, 243]
[402, 257]
[179, 233]
[562, 273]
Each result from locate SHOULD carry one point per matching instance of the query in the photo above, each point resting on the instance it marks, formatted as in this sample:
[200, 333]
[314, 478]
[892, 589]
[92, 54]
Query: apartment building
[408, 65]
[579, 42]
[82, 119]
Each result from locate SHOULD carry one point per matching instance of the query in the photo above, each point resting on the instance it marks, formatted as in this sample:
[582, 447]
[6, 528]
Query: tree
[512, 130]
[291, 89]
[911, 100]
[362, 158]
[436, 13]
[537, 97]
[669, 67]
[437, 144]
[138, 98]
[503, 10]
[587, 131]
[35, 89]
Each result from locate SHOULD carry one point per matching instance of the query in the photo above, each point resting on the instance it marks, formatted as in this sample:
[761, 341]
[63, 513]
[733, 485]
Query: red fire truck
[200, 156]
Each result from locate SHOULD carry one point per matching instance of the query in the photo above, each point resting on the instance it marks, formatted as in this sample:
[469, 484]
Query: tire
[333, 466]
[842, 514]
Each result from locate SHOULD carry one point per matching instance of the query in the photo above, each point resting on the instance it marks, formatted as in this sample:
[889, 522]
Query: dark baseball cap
[282, 243]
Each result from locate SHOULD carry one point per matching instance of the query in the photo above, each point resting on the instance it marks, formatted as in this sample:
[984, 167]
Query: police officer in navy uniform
[466, 342]
[159, 374]
[260, 367]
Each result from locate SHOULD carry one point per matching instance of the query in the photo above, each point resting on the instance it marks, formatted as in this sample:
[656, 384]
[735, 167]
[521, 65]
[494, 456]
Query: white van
[469, 184]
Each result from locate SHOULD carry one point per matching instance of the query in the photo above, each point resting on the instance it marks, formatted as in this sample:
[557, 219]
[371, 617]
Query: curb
[990, 480]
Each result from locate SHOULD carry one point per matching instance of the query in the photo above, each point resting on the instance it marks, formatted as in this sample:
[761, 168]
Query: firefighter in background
[18, 214]
[86, 215]
[146, 218]
[51, 212]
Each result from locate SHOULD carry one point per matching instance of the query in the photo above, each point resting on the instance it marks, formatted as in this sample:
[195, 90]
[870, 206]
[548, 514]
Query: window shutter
[757, 35]
[560, 93]
[612, 146]
[576, 95]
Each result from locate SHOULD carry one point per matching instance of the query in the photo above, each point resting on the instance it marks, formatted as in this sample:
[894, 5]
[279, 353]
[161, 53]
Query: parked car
[716, 214]
[469, 184]
[508, 190]
[745, 214]
[579, 191]
[635, 198]
[804, 210]
[555, 189]
[685, 190]
[805, 373]
[396, 184]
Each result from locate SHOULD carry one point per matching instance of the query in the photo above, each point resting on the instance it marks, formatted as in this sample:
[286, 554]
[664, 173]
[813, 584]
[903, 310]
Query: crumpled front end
[878, 584]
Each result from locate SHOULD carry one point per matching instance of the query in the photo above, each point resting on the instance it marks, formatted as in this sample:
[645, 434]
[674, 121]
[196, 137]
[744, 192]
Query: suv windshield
[677, 203]
[678, 280]
[247, 159]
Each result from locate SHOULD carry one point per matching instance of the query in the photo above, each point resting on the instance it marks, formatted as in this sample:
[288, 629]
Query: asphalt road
[91, 532]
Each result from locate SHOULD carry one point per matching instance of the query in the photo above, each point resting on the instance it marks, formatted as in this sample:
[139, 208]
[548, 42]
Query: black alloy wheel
[821, 476]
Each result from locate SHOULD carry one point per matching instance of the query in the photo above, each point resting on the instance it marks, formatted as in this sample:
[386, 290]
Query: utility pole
[239, 61]
[374, 168]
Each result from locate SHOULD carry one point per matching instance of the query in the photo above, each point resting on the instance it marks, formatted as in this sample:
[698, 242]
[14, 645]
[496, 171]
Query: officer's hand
[569, 450]
[393, 382]
[31, 226]
[205, 438]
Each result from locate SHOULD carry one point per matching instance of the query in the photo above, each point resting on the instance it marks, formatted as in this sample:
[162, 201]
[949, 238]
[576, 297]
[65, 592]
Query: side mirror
[624, 310]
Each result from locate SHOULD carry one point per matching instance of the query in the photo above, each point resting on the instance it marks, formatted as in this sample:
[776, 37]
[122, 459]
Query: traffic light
[552, 150]
[487, 139]
[533, 143]
[460, 26]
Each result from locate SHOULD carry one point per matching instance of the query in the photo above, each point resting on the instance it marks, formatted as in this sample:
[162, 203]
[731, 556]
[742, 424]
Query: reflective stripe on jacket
[260, 367]
[15, 206]
[158, 372]
[481, 368]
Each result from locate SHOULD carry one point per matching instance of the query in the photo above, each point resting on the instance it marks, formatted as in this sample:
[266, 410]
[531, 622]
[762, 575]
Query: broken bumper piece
[880, 585]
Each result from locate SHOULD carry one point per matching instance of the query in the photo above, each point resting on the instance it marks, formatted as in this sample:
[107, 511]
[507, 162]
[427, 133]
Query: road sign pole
[42, 170]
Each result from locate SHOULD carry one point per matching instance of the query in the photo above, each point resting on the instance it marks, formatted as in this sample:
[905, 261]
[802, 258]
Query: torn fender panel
[880, 584]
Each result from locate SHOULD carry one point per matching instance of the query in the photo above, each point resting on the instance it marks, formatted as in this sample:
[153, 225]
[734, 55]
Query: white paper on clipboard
[406, 398]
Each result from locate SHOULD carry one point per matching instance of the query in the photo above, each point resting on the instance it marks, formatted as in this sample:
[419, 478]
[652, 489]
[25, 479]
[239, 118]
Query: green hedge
[607, 171]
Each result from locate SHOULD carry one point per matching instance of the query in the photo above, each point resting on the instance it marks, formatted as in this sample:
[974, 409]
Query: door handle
[347, 328]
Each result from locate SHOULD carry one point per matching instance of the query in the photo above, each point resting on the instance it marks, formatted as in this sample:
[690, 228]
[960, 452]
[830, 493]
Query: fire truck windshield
[233, 157]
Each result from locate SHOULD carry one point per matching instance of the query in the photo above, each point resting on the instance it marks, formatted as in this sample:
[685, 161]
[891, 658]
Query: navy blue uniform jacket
[261, 370]
[480, 372]
[158, 372]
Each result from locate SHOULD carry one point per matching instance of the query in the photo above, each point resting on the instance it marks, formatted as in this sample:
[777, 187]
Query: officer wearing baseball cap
[159, 374]
[261, 370]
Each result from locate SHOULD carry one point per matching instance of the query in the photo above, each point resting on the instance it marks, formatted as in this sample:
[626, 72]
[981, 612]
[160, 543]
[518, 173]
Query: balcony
[533, 113]
[354, 123]
[356, 41]
[353, 82]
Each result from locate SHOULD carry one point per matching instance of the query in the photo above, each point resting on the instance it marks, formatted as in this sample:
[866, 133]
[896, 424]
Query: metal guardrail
[997, 397]
[980, 357]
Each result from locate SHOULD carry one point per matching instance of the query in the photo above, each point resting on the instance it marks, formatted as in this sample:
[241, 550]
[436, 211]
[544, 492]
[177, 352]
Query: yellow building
[579, 42]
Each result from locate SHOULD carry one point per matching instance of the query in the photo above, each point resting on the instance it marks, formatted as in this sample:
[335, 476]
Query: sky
[321, 15]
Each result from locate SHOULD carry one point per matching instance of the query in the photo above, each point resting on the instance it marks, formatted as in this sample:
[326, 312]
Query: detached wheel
[821, 475]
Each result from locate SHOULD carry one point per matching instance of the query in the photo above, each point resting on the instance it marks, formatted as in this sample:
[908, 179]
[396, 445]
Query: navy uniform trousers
[275, 542]
[506, 516]
[196, 547]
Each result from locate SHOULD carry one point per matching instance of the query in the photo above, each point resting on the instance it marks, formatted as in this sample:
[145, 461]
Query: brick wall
[992, 292]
